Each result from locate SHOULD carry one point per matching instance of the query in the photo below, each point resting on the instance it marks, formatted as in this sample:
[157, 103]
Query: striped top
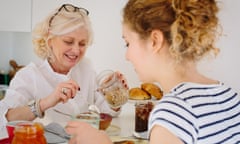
[200, 114]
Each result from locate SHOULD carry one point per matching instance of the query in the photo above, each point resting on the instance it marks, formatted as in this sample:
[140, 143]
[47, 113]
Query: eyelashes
[127, 45]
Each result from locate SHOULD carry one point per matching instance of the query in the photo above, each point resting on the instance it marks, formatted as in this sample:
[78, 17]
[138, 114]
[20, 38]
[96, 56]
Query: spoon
[91, 108]
[62, 113]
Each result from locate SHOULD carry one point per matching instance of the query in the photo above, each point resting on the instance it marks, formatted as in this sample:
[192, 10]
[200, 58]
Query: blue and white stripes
[200, 114]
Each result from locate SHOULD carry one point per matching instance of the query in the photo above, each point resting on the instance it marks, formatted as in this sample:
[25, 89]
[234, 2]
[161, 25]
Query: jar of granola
[112, 88]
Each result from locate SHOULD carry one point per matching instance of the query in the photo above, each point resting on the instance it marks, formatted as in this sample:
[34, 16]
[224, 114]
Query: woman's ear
[157, 39]
[49, 42]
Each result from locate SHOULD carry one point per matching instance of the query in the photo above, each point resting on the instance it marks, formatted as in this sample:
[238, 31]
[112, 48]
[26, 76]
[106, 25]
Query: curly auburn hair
[189, 26]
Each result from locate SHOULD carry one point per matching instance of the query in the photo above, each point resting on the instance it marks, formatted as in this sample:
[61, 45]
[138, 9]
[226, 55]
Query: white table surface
[126, 120]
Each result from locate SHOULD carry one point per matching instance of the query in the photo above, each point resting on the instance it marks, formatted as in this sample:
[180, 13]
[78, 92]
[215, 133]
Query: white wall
[5, 51]
[108, 51]
[226, 67]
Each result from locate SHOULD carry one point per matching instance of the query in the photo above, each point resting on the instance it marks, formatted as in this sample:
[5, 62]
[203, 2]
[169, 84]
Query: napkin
[55, 133]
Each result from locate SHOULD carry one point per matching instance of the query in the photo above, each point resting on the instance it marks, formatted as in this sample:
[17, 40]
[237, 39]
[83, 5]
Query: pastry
[138, 94]
[152, 89]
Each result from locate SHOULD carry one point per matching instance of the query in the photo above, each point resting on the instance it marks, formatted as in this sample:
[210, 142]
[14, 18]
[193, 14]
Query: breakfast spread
[144, 97]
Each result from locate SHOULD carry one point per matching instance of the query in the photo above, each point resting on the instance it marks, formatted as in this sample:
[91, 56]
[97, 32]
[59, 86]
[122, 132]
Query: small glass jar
[29, 133]
[112, 89]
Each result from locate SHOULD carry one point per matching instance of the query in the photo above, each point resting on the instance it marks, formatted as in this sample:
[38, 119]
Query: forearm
[20, 113]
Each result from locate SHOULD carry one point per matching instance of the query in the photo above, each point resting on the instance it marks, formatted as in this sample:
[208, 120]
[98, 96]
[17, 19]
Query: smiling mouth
[71, 57]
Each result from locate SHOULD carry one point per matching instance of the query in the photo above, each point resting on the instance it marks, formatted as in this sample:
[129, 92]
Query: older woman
[65, 80]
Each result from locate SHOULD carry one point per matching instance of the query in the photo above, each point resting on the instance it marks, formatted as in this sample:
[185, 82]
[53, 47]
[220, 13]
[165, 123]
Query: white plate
[113, 130]
[142, 135]
[119, 139]
[154, 101]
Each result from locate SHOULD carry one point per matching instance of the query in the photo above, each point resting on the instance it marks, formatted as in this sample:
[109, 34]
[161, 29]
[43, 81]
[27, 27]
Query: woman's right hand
[84, 133]
[62, 93]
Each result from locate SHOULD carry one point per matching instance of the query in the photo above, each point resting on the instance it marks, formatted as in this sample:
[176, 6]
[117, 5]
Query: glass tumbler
[112, 89]
[142, 112]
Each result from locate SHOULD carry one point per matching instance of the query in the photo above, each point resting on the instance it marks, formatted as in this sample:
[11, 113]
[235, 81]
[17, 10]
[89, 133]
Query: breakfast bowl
[105, 121]
[89, 117]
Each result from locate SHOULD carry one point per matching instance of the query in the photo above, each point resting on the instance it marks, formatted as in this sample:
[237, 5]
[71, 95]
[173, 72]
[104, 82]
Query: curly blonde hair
[189, 26]
[55, 24]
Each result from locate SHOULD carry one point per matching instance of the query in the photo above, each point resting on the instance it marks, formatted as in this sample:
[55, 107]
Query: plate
[142, 135]
[121, 140]
[113, 130]
[154, 101]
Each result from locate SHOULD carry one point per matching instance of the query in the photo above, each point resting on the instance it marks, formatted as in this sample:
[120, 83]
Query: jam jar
[29, 133]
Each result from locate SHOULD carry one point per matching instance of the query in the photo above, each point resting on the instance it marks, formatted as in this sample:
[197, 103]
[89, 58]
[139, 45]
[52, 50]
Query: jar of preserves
[29, 133]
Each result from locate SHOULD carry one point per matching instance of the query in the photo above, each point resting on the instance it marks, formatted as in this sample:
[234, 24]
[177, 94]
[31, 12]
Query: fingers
[67, 90]
[122, 79]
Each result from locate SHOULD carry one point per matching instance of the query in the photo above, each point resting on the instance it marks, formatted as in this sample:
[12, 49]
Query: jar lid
[29, 128]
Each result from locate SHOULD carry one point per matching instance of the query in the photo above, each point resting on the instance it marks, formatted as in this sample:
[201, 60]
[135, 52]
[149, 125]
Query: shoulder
[28, 72]
[31, 68]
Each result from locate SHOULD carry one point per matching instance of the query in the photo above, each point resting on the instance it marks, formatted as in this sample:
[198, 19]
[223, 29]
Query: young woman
[165, 39]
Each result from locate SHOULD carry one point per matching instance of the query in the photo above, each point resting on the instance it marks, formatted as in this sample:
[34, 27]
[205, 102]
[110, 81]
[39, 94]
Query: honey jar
[29, 133]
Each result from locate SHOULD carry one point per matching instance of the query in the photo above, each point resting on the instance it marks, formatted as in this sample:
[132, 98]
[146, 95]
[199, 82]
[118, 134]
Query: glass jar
[112, 89]
[29, 133]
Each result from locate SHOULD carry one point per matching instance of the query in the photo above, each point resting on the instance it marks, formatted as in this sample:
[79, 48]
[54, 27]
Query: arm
[172, 121]
[30, 84]
[160, 134]
[22, 113]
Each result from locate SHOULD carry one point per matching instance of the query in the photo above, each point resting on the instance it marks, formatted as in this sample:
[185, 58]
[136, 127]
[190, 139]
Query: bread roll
[138, 94]
[152, 89]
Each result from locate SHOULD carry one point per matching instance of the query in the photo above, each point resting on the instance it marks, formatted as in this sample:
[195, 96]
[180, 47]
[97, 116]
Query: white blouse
[38, 80]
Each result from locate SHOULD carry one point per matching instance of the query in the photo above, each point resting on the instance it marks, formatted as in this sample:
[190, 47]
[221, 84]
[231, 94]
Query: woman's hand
[62, 93]
[122, 79]
[84, 133]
